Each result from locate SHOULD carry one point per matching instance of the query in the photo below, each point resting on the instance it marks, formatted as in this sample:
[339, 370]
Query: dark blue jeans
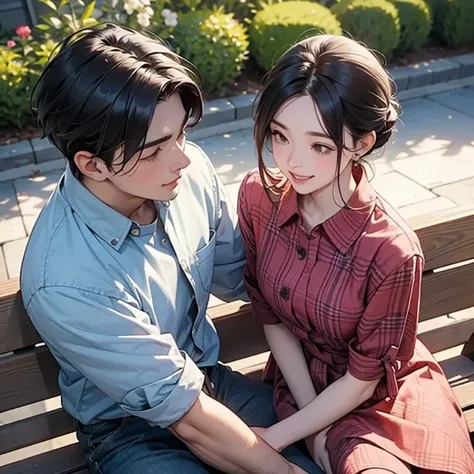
[131, 446]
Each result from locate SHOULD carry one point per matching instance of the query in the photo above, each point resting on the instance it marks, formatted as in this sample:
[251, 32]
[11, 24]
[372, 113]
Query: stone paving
[429, 166]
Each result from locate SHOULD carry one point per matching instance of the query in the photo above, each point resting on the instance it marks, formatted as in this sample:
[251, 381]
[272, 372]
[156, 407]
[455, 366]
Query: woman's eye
[279, 137]
[322, 149]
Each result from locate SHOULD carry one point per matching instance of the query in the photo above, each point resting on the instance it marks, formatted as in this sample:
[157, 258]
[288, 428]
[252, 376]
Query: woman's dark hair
[99, 93]
[348, 85]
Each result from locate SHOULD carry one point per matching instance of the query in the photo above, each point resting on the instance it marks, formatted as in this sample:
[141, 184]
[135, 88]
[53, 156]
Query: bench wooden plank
[28, 378]
[446, 236]
[449, 332]
[15, 327]
[65, 460]
[447, 291]
[35, 430]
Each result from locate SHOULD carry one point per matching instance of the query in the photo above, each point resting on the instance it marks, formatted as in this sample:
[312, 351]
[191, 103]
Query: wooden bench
[28, 372]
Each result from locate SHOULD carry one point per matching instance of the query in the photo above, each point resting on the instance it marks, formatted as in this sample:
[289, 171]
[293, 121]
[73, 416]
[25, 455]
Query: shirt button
[164, 241]
[114, 241]
[135, 231]
[285, 293]
[301, 252]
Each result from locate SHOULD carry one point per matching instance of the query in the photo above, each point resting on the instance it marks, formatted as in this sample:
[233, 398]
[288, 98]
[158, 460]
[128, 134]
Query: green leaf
[89, 22]
[88, 11]
[63, 2]
[50, 4]
[56, 22]
[43, 27]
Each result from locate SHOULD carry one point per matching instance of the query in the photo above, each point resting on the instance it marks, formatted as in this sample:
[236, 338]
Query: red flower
[11, 44]
[23, 31]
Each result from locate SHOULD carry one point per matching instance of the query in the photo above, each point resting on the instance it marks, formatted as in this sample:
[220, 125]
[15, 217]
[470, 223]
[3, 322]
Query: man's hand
[222, 440]
[317, 447]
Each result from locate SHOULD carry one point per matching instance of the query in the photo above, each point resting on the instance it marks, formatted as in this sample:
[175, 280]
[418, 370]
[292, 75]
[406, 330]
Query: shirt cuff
[178, 401]
[369, 368]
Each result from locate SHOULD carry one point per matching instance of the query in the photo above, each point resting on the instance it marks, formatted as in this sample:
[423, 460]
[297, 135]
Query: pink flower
[11, 44]
[23, 31]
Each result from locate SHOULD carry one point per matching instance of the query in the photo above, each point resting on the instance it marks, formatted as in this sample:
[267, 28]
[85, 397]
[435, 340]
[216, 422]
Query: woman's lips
[300, 179]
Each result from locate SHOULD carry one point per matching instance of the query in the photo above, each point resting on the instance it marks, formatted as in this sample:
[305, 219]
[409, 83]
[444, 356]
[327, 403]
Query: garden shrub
[215, 43]
[375, 23]
[415, 23]
[453, 21]
[277, 27]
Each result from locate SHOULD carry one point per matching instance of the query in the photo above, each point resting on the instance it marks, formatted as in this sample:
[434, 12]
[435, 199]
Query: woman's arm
[288, 354]
[336, 401]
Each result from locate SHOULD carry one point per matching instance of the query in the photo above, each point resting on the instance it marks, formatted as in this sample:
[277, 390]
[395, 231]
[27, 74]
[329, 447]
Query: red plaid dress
[350, 292]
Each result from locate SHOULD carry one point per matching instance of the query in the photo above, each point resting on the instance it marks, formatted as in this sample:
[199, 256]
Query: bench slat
[448, 333]
[65, 460]
[35, 430]
[447, 291]
[446, 237]
[28, 378]
[15, 327]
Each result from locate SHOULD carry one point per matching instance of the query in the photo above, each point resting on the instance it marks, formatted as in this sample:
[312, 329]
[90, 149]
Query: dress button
[301, 252]
[135, 231]
[285, 292]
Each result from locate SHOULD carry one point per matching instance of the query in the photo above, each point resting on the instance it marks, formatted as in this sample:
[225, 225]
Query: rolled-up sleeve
[260, 307]
[387, 331]
[113, 345]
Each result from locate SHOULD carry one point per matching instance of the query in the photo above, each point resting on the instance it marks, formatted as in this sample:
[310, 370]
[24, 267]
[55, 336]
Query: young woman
[334, 275]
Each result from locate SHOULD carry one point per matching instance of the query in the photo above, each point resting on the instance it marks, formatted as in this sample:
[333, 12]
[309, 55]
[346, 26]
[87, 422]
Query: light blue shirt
[122, 307]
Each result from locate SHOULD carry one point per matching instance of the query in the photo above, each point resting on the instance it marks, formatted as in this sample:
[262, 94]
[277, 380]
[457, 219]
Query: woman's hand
[317, 447]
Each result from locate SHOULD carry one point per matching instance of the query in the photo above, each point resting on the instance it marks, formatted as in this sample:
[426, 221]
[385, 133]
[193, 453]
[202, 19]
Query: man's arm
[224, 441]
[113, 345]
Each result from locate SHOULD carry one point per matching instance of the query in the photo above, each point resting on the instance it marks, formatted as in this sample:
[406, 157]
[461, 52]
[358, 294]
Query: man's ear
[91, 166]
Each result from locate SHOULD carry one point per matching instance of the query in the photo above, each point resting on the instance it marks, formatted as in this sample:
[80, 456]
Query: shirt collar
[107, 223]
[344, 227]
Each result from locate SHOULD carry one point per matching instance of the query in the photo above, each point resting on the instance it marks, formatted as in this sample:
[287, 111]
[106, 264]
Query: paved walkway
[428, 167]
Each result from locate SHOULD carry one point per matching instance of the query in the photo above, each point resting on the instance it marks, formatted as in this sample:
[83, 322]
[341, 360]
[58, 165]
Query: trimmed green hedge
[375, 23]
[453, 21]
[415, 23]
[277, 27]
[215, 43]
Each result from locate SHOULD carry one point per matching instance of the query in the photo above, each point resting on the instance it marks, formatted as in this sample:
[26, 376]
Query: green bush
[415, 23]
[16, 82]
[20, 68]
[215, 43]
[373, 22]
[277, 27]
[453, 21]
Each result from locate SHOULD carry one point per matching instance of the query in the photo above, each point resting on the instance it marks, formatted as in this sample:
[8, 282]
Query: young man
[117, 274]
